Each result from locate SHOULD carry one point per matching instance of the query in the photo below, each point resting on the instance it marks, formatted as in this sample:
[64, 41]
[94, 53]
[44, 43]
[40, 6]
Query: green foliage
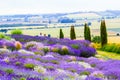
[72, 33]
[38, 59]
[64, 51]
[17, 63]
[29, 66]
[29, 46]
[93, 65]
[9, 71]
[2, 36]
[48, 78]
[75, 46]
[57, 50]
[16, 31]
[38, 53]
[111, 48]
[87, 33]
[22, 79]
[86, 54]
[103, 33]
[54, 62]
[71, 69]
[96, 39]
[46, 50]
[8, 37]
[61, 34]
[85, 73]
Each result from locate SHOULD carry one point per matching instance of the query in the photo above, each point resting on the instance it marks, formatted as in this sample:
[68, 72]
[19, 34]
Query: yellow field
[115, 39]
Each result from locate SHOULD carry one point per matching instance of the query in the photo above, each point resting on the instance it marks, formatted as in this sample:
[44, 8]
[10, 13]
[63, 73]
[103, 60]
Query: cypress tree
[61, 34]
[87, 33]
[103, 33]
[72, 33]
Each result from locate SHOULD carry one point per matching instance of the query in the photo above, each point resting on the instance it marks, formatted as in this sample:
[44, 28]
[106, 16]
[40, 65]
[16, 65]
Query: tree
[87, 33]
[61, 34]
[103, 33]
[72, 33]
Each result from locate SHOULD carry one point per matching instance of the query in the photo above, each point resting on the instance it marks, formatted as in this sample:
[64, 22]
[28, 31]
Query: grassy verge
[108, 55]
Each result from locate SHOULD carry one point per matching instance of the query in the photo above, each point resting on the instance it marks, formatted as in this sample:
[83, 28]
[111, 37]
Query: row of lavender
[63, 46]
[43, 58]
[26, 65]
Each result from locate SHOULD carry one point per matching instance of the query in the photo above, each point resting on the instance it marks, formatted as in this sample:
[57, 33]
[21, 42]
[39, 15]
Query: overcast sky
[55, 6]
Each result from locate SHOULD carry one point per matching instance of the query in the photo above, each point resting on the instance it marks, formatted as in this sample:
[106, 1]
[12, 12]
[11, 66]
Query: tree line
[87, 33]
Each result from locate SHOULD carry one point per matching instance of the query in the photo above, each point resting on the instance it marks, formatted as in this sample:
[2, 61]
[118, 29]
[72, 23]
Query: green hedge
[16, 31]
[111, 48]
[3, 36]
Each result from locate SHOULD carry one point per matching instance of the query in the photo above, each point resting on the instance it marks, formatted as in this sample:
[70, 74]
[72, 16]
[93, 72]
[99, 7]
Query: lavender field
[42, 58]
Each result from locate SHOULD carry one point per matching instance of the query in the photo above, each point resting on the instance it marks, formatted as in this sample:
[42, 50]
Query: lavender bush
[73, 47]
[53, 59]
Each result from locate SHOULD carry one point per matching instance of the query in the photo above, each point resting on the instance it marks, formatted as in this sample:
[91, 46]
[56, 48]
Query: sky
[55, 6]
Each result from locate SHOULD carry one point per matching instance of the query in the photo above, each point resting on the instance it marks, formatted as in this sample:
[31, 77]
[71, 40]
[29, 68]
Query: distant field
[113, 27]
[79, 33]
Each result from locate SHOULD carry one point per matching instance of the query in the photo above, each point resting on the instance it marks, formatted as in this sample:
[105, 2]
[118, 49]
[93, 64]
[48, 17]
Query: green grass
[110, 55]
[16, 31]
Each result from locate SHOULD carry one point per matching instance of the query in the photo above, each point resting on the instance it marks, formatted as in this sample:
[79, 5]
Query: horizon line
[57, 12]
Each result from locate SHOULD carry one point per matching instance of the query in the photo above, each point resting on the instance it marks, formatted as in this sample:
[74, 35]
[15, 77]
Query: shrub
[111, 48]
[16, 31]
[22, 79]
[71, 69]
[88, 52]
[75, 46]
[96, 39]
[18, 45]
[29, 66]
[64, 50]
[57, 50]
[93, 65]
[54, 62]
[85, 73]
[17, 63]
[55, 45]
[9, 71]
[2, 36]
[46, 49]
[7, 37]
[39, 52]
